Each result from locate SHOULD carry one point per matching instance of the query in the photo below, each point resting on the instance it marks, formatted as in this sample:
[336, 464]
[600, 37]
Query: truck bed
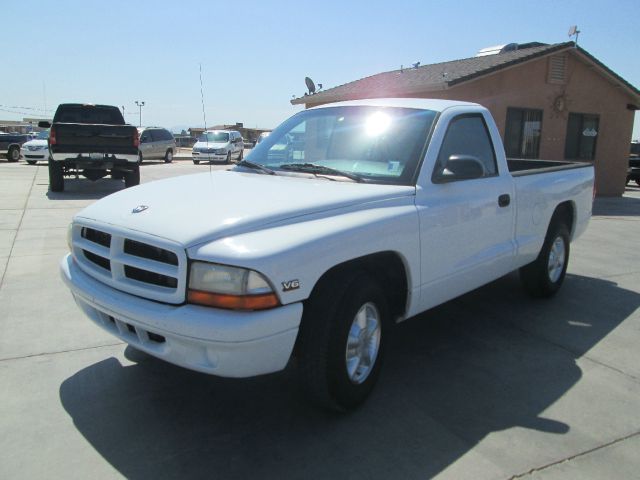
[525, 166]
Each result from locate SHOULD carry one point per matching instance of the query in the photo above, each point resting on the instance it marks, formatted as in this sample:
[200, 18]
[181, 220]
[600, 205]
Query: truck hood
[200, 208]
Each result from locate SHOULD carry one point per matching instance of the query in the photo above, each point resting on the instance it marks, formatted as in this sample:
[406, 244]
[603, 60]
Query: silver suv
[156, 142]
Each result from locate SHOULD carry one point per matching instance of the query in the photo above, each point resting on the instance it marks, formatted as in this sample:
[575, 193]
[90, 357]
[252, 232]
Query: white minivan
[218, 145]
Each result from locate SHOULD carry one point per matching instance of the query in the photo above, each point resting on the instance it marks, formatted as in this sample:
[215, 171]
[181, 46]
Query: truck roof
[422, 103]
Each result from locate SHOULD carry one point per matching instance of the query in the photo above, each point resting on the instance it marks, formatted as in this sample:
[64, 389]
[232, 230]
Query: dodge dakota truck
[94, 141]
[345, 220]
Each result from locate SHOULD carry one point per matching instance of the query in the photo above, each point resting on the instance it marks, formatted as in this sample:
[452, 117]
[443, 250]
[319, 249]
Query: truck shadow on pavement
[488, 361]
[84, 189]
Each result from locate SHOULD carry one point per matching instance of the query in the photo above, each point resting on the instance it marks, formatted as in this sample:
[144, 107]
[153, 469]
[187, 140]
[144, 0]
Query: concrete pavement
[493, 385]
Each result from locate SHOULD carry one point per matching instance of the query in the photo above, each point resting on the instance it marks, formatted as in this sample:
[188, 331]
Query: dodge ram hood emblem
[140, 208]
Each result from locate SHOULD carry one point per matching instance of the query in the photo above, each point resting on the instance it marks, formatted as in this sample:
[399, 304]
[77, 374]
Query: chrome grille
[148, 267]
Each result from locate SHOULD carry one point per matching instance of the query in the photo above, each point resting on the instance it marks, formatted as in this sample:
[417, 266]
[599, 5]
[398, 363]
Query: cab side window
[468, 136]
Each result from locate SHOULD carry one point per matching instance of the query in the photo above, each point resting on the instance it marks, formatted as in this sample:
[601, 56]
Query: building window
[582, 133]
[522, 133]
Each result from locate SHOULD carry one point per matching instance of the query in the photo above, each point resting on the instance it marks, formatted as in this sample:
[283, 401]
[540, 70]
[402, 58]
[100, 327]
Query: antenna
[204, 115]
[574, 31]
[416, 64]
[310, 85]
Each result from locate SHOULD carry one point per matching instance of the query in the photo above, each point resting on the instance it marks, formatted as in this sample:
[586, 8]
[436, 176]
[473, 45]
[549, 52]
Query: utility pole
[140, 104]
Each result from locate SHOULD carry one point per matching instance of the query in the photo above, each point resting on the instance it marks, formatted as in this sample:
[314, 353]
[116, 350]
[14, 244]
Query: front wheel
[139, 158]
[32, 162]
[168, 157]
[56, 176]
[13, 155]
[196, 162]
[241, 156]
[543, 277]
[341, 341]
[228, 160]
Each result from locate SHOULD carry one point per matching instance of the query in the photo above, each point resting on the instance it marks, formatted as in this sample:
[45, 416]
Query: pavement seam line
[71, 350]
[577, 455]
[24, 209]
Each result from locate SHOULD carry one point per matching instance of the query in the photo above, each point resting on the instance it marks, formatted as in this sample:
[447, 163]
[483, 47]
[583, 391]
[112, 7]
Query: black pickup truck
[10, 144]
[93, 141]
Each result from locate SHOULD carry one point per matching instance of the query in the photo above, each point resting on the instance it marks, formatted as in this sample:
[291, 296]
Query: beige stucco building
[549, 101]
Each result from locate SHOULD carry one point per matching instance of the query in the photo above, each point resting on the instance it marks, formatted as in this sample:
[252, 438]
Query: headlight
[221, 151]
[228, 287]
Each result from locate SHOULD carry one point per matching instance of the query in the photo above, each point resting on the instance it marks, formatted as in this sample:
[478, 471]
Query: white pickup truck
[348, 218]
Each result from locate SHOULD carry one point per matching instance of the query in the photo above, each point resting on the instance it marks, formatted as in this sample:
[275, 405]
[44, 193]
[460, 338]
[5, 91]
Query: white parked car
[37, 149]
[218, 145]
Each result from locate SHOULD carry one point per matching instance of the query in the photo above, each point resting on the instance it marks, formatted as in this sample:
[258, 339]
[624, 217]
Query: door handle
[504, 200]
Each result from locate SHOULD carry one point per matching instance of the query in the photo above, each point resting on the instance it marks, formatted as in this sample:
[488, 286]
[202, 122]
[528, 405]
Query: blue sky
[255, 55]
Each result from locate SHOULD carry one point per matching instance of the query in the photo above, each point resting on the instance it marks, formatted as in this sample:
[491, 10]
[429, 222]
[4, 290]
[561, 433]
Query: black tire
[139, 158]
[56, 176]
[228, 160]
[322, 352]
[241, 156]
[638, 183]
[132, 178]
[196, 162]
[540, 278]
[32, 162]
[168, 156]
[13, 155]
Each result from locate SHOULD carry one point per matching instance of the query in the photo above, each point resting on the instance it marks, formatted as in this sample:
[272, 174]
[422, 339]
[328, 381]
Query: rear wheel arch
[565, 214]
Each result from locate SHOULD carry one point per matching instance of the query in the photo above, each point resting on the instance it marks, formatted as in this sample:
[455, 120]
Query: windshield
[378, 144]
[214, 137]
[42, 135]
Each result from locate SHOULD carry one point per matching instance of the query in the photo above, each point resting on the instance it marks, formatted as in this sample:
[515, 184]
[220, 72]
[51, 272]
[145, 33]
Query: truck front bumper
[219, 342]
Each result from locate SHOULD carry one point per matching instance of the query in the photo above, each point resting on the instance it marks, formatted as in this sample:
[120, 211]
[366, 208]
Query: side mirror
[460, 167]
[44, 124]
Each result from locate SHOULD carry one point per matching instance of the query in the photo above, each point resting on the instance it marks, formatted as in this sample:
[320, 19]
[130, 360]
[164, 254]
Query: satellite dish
[573, 30]
[310, 85]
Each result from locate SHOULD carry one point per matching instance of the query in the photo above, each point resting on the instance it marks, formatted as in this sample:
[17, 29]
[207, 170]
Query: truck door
[466, 220]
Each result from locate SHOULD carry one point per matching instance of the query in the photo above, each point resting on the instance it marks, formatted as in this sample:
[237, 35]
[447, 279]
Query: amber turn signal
[233, 302]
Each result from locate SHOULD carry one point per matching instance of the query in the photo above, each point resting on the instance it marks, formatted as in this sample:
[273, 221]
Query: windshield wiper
[256, 166]
[320, 169]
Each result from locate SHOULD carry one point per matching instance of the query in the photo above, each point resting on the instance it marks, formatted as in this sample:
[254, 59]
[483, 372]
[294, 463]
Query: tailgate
[79, 138]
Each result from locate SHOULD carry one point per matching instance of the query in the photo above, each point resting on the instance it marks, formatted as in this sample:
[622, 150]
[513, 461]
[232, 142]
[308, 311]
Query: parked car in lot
[36, 149]
[633, 172]
[156, 143]
[218, 145]
[10, 144]
[372, 212]
[93, 141]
